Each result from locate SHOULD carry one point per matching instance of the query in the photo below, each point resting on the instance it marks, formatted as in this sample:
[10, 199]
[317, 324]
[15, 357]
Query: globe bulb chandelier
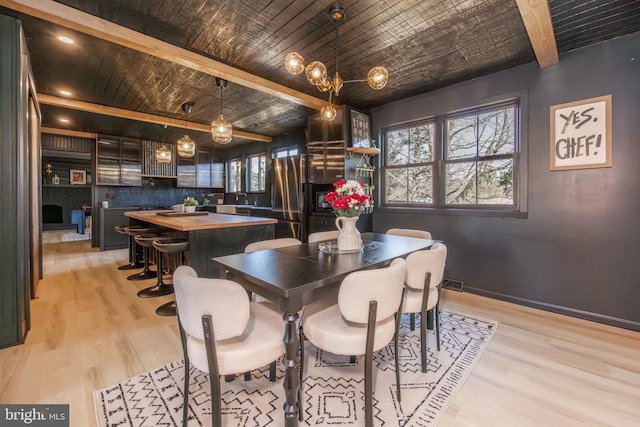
[186, 145]
[221, 129]
[316, 71]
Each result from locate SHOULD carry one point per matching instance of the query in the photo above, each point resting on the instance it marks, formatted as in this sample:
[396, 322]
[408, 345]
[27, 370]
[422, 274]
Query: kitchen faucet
[246, 202]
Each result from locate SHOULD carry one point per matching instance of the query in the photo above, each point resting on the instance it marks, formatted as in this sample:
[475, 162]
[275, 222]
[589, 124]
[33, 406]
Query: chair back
[271, 244]
[408, 232]
[383, 285]
[420, 263]
[323, 235]
[224, 300]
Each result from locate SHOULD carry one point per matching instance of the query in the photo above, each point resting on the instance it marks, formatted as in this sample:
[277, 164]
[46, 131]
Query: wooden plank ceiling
[149, 57]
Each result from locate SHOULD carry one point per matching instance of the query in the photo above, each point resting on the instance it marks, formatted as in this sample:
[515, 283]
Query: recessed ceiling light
[66, 40]
[63, 120]
[65, 92]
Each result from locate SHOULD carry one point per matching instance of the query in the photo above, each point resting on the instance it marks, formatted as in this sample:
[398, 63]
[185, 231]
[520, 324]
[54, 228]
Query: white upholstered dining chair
[322, 235]
[409, 232]
[271, 244]
[363, 319]
[222, 332]
[425, 270]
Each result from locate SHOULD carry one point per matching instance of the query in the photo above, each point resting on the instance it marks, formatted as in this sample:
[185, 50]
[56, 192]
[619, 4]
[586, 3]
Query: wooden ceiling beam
[141, 117]
[68, 132]
[77, 20]
[537, 21]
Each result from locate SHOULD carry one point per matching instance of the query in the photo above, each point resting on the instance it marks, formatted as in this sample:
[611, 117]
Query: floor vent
[454, 285]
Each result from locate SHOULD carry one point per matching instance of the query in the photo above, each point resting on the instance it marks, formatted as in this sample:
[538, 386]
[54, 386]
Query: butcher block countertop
[199, 222]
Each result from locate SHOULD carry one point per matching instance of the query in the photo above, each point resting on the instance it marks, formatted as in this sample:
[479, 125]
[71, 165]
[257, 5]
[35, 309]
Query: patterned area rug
[333, 386]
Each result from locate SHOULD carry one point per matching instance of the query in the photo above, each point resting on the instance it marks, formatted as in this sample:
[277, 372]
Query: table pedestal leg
[430, 318]
[291, 379]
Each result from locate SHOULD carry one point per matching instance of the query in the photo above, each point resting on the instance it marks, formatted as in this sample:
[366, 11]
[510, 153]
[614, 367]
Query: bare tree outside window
[471, 166]
[479, 156]
[234, 183]
[256, 173]
[409, 160]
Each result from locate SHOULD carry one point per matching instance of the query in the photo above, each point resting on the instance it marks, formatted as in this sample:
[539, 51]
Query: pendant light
[186, 145]
[316, 72]
[221, 129]
[163, 154]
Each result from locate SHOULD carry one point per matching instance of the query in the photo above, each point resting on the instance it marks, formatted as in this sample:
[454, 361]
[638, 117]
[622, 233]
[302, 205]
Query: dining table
[296, 275]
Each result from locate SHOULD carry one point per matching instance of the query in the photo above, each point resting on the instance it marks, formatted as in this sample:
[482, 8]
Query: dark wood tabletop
[296, 275]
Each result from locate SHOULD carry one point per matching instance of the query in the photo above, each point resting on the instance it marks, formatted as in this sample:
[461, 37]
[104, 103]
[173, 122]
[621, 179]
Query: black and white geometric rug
[333, 386]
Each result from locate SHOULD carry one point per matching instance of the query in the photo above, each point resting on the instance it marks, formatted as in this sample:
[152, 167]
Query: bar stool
[133, 261]
[134, 231]
[167, 246]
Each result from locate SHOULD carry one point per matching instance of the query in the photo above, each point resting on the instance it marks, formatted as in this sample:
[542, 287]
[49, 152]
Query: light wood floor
[89, 330]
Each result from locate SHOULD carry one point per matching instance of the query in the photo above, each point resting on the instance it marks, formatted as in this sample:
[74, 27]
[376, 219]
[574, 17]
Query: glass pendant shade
[186, 147]
[328, 112]
[325, 86]
[221, 130]
[294, 63]
[163, 155]
[316, 73]
[378, 77]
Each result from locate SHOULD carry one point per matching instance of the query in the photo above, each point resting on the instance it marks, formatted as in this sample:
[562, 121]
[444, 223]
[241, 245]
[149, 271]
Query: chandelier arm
[354, 81]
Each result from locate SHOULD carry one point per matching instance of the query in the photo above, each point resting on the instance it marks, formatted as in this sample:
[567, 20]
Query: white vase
[189, 208]
[348, 235]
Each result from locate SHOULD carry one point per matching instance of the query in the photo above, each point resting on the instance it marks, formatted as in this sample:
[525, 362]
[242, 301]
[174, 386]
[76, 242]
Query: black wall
[577, 251]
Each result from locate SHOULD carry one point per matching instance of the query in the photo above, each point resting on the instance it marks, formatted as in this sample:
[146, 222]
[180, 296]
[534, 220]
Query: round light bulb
[328, 112]
[325, 86]
[316, 73]
[294, 63]
[378, 77]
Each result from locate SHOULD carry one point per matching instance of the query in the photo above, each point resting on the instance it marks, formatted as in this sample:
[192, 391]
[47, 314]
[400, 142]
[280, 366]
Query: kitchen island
[210, 235]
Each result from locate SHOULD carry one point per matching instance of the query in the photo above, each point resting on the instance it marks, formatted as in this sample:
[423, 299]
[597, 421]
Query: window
[256, 173]
[409, 165]
[234, 176]
[480, 156]
[465, 161]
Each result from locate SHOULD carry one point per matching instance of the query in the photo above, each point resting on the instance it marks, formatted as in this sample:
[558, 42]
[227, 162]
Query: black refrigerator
[287, 198]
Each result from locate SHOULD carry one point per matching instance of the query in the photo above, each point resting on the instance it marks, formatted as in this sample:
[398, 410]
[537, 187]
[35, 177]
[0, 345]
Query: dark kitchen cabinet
[186, 172]
[326, 161]
[200, 171]
[119, 161]
[321, 223]
[326, 147]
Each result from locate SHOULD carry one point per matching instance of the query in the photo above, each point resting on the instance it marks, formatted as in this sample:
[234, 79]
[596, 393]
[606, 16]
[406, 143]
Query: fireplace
[52, 214]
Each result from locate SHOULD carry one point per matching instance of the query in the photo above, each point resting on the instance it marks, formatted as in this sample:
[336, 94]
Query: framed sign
[77, 176]
[581, 134]
[360, 130]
